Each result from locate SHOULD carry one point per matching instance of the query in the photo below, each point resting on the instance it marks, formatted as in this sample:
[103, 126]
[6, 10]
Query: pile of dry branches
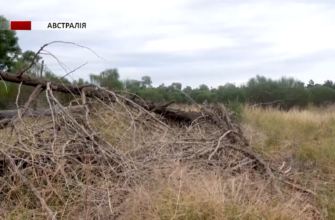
[81, 161]
[103, 147]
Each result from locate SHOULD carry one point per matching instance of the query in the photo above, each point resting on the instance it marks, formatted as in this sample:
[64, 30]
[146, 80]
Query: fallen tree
[9, 114]
[69, 147]
[94, 91]
[30, 113]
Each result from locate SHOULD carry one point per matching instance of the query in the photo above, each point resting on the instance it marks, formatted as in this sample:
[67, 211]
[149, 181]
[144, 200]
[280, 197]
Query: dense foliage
[9, 48]
[284, 93]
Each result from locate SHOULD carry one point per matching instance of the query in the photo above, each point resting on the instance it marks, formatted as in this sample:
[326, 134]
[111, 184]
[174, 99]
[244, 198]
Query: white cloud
[188, 43]
[192, 42]
[297, 29]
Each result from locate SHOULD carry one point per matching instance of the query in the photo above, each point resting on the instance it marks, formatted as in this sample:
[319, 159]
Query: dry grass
[185, 107]
[305, 135]
[156, 180]
[190, 194]
[305, 140]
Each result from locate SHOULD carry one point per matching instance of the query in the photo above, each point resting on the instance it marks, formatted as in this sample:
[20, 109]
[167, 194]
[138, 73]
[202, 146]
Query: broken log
[7, 114]
[32, 81]
[93, 91]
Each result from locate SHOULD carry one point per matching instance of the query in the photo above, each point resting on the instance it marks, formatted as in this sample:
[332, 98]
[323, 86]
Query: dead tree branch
[91, 91]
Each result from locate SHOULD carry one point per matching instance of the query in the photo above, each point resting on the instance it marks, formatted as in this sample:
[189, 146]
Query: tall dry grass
[307, 136]
[305, 139]
[168, 188]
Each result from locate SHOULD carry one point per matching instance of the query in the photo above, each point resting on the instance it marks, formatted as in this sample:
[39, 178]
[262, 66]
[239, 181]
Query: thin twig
[51, 215]
[218, 145]
[45, 45]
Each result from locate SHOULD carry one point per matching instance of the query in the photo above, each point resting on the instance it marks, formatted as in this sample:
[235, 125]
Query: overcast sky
[189, 41]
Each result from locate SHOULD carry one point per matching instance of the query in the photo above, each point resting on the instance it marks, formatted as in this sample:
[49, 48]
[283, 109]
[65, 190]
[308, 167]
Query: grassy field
[304, 140]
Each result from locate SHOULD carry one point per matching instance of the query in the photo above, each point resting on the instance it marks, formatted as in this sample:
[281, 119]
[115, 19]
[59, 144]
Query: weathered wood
[8, 114]
[29, 113]
[91, 91]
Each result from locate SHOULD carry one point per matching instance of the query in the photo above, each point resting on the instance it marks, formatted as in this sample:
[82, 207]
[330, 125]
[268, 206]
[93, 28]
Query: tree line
[284, 93]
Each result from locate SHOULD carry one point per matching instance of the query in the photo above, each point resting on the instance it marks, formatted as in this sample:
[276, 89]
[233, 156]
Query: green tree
[310, 84]
[322, 95]
[24, 60]
[9, 48]
[177, 86]
[108, 78]
[329, 83]
[79, 82]
[203, 87]
[229, 92]
[187, 90]
[151, 94]
[146, 82]
[284, 93]
[9, 94]
[132, 85]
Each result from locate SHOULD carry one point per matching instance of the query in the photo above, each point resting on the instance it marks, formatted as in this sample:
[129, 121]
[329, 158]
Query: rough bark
[29, 113]
[91, 91]
[8, 114]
